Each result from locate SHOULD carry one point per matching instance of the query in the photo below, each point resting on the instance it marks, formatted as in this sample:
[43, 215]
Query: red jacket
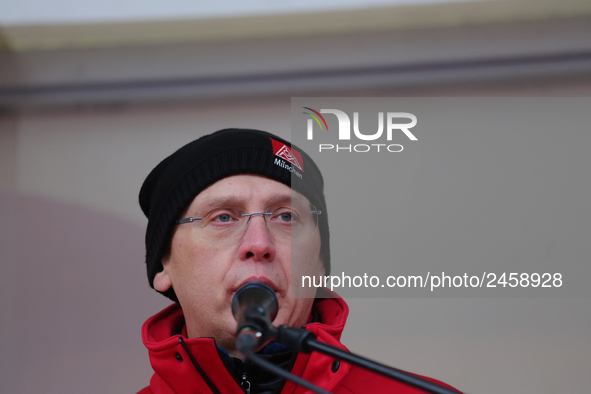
[175, 373]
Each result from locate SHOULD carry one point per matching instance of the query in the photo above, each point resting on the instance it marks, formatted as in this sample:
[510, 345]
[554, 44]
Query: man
[229, 208]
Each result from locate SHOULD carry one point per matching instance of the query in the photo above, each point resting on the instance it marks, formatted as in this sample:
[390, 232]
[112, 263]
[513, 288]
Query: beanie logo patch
[288, 154]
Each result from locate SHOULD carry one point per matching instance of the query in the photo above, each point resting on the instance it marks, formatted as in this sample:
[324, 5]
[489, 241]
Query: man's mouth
[261, 279]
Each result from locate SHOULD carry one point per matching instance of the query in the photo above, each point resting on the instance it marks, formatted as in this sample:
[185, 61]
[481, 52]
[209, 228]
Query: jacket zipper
[245, 384]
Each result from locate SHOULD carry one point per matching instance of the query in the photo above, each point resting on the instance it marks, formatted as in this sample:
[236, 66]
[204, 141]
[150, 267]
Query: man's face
[207, 269]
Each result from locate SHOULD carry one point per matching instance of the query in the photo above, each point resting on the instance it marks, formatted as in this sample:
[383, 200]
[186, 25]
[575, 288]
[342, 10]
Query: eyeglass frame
[250, 215]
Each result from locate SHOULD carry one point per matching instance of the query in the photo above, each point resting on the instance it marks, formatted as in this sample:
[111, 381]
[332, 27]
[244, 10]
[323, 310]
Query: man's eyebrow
[281, 199]
[237, 199]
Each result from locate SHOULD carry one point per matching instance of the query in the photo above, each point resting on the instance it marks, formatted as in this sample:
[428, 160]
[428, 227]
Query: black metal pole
[305, 341]
[382, 369]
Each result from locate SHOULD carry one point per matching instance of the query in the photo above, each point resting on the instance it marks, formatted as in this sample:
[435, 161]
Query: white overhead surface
[90, 52]
[32, 25]
[26, 12]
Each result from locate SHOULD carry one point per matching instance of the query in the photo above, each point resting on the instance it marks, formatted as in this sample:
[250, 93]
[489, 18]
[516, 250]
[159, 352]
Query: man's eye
[286, 217]
[224, 218]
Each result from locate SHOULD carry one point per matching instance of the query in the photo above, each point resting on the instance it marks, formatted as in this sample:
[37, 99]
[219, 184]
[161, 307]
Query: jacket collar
[174, 371]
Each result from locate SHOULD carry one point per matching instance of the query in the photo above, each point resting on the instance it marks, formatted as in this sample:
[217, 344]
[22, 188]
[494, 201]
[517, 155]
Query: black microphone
[254, 307]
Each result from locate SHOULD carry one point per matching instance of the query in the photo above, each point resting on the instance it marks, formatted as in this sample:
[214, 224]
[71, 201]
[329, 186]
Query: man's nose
[257, 242]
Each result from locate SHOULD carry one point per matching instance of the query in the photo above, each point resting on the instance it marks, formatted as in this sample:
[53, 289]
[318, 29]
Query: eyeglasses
[231, 223]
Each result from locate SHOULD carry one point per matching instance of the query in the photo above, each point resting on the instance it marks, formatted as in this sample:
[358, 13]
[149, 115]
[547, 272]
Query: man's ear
[162, 281]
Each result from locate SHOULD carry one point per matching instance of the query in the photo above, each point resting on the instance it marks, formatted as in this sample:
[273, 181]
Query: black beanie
[171, 187]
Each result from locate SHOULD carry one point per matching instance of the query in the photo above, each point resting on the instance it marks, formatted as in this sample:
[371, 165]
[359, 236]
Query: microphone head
[255, 295]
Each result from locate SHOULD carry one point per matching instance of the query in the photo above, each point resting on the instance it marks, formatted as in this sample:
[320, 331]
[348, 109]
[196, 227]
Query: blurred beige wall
[75, 287]
[81, 126]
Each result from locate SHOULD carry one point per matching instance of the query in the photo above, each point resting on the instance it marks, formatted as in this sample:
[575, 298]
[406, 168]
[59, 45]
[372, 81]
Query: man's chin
[226, 340]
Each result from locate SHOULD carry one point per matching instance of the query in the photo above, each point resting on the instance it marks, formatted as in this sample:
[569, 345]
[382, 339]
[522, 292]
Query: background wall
[85, 114]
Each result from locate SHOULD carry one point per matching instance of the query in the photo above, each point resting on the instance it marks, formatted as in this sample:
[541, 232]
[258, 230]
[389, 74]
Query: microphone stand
[256, 331]
[304, 341]
[254, 306]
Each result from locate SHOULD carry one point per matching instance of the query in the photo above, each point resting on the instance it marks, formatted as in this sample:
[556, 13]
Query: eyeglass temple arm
[186, 220]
